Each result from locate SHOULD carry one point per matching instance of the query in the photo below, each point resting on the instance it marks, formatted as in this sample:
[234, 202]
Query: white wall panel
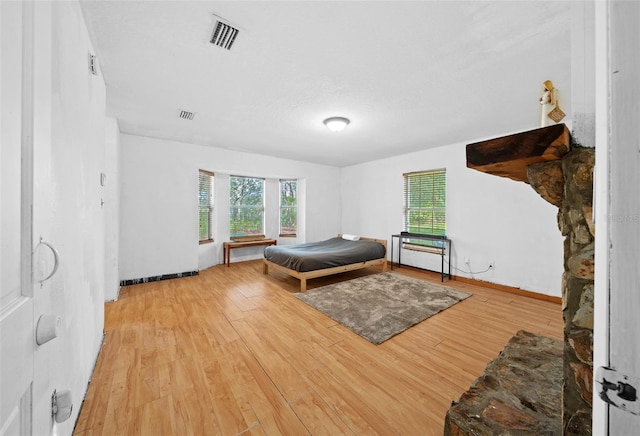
[489, 218]
[159, 203]
[69, 155]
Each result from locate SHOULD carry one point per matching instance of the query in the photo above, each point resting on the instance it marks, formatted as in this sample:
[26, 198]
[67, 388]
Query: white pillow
[350, 237]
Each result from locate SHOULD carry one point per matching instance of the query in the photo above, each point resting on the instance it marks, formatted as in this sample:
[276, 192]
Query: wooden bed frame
[304, 276]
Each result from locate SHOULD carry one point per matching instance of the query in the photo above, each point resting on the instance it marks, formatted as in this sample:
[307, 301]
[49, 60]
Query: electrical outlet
[492, 264]
[466, 261]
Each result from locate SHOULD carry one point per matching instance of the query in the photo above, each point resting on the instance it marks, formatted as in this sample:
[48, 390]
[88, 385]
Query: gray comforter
[325, 254]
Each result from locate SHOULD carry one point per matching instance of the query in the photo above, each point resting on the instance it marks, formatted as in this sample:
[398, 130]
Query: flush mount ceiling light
[336, 124]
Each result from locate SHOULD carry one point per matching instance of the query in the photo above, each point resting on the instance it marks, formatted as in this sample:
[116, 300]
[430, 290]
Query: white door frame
[601, 211]
[616, 343]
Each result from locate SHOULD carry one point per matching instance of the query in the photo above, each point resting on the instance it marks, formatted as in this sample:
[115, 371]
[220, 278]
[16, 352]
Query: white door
[17, 335]
[617, 302]
[624, 222]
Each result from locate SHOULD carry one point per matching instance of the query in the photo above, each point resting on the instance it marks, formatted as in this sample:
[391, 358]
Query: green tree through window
[246, 206]
[425, 203]
[205, 206]
[288, 207]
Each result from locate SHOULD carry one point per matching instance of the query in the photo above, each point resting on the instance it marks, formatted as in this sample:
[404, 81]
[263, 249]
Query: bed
[319, 259]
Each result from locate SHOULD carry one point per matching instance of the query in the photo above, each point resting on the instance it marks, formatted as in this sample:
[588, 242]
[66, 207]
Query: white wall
[583, 89]
[489, 218]
[69, 155]
[111, 207]
[158, 203]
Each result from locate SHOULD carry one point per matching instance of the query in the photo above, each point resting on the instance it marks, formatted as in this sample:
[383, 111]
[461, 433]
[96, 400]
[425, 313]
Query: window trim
[441, 189]
[260, 207]
[281, 207]
[208, 206]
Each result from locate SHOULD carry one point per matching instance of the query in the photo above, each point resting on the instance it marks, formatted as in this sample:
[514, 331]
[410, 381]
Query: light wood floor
[232, 351]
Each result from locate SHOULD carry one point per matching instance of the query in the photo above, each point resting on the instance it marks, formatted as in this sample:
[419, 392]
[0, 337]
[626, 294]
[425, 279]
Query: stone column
[568, 184]
[576, 224]
[562, 175]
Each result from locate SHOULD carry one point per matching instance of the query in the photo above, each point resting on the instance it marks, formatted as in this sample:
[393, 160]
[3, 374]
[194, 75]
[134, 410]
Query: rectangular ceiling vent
[186, 115]
[224, 35]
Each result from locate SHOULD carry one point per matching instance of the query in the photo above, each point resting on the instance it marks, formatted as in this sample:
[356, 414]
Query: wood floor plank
[380, 394]
[232, 351]
[230, 370]
[193, 410]
[361, 419]
[152, 418]
[229, 413]
[390, 390]
[282, 373]
[319, 418]
[271, 408]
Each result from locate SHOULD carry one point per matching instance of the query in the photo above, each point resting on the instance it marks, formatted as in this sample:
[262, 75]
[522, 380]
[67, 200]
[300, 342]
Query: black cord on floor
[466, 272]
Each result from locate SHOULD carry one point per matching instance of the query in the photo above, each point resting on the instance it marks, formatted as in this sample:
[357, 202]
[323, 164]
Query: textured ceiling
[409, 75]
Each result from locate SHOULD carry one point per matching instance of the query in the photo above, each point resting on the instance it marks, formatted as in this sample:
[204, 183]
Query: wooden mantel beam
[509, 156]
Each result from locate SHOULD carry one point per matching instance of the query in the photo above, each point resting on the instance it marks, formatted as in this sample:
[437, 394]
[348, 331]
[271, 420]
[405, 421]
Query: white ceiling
[409, 75]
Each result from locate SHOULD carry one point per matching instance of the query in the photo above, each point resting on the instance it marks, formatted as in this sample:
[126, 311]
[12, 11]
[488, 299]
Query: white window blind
[288, 207]
[246, 206]
[205, 206]
[425, 202]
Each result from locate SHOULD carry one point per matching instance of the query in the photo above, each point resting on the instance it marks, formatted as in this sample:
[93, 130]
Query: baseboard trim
[158, 278]
[496, 286]
[510, 289]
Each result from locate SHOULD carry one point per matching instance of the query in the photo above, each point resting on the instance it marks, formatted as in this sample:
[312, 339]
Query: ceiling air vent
[224, 35]
[186, 115]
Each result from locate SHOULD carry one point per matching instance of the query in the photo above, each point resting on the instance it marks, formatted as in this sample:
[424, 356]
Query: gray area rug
[379, 306]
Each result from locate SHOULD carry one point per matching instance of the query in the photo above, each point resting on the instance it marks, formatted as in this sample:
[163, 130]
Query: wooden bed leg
[384, 266]
[303, 284]
[265, 268]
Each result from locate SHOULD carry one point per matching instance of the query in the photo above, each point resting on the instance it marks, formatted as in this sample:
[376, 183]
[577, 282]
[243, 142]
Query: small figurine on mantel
[550, 112]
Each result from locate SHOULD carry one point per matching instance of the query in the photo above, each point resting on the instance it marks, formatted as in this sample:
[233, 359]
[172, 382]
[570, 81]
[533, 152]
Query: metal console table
[443, 248]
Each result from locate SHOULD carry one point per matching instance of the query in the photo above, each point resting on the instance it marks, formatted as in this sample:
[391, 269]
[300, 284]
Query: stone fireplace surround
[562, 173]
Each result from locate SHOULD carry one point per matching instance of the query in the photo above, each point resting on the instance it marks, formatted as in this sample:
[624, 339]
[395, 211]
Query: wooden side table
[228, 246]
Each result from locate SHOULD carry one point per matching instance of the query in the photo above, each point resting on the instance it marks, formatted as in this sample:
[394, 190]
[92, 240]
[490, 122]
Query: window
[246, 206]
[288, 207]
[205, 204]
[425, 204]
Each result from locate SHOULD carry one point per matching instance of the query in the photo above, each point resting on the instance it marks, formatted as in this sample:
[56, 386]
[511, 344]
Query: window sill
[288, 235]
[205, 241]
[247, 238]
